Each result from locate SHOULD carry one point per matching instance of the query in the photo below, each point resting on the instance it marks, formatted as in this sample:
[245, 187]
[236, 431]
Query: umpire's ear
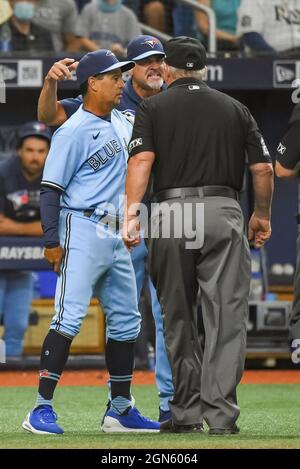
[166, 73]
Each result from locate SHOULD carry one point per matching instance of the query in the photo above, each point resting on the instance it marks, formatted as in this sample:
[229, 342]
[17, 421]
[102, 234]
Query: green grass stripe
[270, 418]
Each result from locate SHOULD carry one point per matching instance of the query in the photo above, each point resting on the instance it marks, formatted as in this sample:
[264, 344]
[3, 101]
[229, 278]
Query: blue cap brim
[124, 66]
[147, 54]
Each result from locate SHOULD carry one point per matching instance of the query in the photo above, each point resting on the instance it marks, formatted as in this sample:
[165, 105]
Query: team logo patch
[135, 143]
[190, 64]
[129, 114]
[19, 198]
[151, 42]
[281, 148]
[39, 127]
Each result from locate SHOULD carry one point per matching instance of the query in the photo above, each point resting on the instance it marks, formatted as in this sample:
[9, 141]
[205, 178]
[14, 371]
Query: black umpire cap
[186, 53]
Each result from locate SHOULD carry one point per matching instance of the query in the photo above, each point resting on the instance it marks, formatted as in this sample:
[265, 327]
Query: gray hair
[180, 73]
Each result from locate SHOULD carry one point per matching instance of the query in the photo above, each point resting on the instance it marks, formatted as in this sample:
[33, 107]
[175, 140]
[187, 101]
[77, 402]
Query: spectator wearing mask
[20, 180]
[107, 24]
[22, 33]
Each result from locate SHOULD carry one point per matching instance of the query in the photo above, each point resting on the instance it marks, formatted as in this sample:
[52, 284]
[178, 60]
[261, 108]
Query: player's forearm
[202, 21]
[48, 105]
[50, 208]
[9, 227]
[263, 184]
[256, 42]
[138, 173]
[29, 229]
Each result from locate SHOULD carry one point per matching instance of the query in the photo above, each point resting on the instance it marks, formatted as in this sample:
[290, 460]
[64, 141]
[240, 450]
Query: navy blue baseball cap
[144, 46]
[97, 62]
[34, 129]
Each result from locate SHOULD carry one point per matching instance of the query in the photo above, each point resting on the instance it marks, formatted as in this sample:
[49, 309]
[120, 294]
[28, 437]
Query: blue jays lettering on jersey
[19, 198]
[87, 160]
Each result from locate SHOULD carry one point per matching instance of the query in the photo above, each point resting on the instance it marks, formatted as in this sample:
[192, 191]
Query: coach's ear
[94, 83]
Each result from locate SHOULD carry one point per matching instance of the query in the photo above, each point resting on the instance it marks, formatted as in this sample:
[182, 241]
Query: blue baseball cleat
[108, 408]
[130, 421]
[42, 421]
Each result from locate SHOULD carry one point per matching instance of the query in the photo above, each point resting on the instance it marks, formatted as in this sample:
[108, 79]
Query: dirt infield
[96, 377]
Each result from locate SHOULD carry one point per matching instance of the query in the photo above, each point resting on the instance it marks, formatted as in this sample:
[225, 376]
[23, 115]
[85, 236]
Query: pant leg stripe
[63, 272]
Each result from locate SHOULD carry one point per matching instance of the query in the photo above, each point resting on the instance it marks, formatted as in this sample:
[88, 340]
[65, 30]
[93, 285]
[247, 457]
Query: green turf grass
[270, 418]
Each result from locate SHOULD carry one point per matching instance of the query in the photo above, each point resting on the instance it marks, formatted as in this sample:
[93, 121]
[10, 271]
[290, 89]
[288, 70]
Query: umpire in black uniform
[195, 141]
[287, 167]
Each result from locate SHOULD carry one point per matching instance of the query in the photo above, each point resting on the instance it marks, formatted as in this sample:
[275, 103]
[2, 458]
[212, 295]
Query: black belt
[204, 191]
[88, 213]
[105, 219]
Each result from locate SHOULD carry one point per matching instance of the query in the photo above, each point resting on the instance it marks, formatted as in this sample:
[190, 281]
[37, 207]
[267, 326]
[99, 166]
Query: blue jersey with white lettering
[88, 159]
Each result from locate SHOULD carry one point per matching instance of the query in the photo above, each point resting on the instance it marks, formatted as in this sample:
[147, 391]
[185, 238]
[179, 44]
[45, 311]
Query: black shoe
[164, 415]
[224, 431]
[170, 427]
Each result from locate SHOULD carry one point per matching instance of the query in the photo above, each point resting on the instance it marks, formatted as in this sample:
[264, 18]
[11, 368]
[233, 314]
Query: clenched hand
[54, 256]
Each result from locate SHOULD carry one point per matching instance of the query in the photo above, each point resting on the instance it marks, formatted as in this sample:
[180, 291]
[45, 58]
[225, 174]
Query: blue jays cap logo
[142, 47]
[39, 127]
[151, 42]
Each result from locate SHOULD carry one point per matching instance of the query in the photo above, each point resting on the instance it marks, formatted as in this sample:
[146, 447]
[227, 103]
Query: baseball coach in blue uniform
[82, 183]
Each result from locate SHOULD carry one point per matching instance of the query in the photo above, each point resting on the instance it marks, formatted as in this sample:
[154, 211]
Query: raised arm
[50, 111]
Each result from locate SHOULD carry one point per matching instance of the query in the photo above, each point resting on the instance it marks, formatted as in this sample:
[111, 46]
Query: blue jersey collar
[130, 95]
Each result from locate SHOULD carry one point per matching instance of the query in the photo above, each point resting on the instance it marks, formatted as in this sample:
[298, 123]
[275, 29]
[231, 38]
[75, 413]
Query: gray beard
[155, 86]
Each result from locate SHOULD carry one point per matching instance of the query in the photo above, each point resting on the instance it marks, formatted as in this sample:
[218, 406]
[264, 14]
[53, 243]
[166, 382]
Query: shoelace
[48, 415]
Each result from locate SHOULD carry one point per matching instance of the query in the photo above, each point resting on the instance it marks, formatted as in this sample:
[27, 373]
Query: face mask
[24, 11]
[108, 7]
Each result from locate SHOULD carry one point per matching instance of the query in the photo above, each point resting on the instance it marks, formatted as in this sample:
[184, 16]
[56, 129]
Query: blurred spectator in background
[60, 18]
[5, 11]
[154, 14]
[21, 33]
[151, 12]
[81, 3]
[269, 26]
[183, 20]
[226, 22]
[20, 178]
[5, 36]
[107, 24]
